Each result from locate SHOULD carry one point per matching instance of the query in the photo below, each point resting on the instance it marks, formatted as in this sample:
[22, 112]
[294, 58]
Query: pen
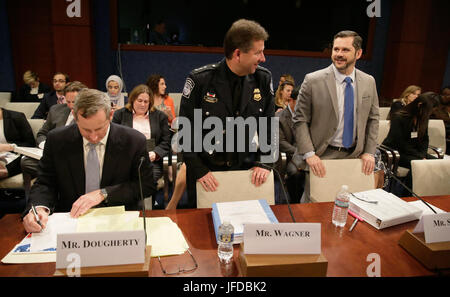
[36, 215]
[357, 218]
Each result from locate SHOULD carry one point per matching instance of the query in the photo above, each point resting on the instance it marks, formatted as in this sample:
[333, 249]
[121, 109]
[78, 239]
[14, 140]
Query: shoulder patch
[204, 68]
[188, 87]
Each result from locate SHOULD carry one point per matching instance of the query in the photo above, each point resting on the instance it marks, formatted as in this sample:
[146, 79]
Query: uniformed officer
[236, 87]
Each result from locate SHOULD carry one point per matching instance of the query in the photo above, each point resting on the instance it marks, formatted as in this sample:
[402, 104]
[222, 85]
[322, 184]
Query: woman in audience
[140, 114]
[408, 96]
[114, 86]
[283, 94]
[163, 101]
[14, 131]
[408, 133]
[32, 91]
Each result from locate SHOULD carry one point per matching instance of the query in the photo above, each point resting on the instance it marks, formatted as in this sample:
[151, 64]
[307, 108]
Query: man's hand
[368, 163]
[316, 166]
[209, 182]
[30, 223]
[152, 156]
[86, 202]
[259, 175]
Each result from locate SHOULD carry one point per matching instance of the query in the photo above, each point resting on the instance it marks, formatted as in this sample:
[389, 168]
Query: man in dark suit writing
[93, 163]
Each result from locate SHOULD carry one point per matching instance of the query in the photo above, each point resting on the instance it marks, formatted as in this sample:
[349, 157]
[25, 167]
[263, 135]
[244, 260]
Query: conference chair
[431, 177]
[5, 97]
[236, 186]
[384, 112]
[339, 172]
[28, 108]
[437, 143]
[176, 101]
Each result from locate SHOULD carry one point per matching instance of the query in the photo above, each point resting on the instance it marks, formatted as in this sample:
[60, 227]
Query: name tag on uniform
[414, 134]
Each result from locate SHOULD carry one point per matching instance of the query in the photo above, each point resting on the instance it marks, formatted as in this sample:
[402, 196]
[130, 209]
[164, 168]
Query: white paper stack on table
[239, 213]
[162, 233]
[32, 152]
[388, 211]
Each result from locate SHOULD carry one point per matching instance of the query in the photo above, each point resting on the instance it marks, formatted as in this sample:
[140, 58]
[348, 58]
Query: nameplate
[436, 227]
[282, 238]
[100, 249]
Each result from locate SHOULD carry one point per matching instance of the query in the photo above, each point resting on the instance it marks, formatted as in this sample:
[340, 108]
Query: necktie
[347, 137]
[92, 169]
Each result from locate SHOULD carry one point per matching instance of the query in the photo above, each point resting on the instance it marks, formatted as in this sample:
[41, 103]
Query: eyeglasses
[174, 268]
[58, 80]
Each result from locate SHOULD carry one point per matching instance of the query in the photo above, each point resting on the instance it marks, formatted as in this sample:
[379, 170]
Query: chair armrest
[439, 152]
[395, 155]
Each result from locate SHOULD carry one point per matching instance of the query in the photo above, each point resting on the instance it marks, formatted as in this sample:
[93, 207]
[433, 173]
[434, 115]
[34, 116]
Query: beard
[342, 64]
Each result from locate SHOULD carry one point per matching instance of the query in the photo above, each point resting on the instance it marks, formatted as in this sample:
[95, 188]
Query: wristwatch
[104, 194]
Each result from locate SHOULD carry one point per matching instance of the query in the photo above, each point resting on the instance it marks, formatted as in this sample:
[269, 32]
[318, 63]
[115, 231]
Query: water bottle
[341, 204]
[226, 236]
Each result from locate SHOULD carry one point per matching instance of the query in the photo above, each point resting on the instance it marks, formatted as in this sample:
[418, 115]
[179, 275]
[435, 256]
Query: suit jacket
[48, 101]
[287, 133]
[158, 125]
[17, 130]
[57, 117]
[61, 177]
[316, 112]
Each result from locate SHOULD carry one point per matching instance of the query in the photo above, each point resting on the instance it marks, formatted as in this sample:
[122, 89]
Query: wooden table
[345, 251]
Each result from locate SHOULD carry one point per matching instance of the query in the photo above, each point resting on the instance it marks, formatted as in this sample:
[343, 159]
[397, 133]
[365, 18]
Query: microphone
[282, 186]
[142, 197]
[391, 174]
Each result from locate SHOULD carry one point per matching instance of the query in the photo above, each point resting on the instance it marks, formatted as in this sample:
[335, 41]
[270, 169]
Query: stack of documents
[239, 213]
[162, 233]
[388, 211]
[32, 152]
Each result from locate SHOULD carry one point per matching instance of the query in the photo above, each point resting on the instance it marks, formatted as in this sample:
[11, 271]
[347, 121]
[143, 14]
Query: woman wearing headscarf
[114, 85]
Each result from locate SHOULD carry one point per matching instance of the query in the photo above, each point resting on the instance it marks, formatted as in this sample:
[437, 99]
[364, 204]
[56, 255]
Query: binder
[262, 209]
[32, 152]
[389, 211]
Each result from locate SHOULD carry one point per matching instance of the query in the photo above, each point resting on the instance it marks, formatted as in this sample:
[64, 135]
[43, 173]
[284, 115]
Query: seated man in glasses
[56, 97]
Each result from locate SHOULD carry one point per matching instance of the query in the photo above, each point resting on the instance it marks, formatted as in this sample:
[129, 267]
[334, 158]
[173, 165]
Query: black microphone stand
[142, 199]
[282, 187]
[391, 174]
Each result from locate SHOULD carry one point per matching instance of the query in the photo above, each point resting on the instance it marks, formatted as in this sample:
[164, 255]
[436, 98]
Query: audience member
[92, 163]
[408, 96]
[283, 94]
[140, 114]
[327, 125]
[408, 133]
[55, 97]
[158, 36]
[60, 115]
[219, 91]
[285, 77]
[114, 86]
[296, 177]
[162, 101]
[14, 131]
[32, 91]
[442, 112]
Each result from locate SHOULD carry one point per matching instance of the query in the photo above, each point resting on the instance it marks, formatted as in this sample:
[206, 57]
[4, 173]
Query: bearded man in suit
[337, 113]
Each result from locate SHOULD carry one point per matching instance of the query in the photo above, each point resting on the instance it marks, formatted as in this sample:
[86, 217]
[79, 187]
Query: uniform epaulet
[205, 68]
[263, 69]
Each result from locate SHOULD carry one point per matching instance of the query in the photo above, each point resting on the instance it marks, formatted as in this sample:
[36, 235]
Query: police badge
[256, 94]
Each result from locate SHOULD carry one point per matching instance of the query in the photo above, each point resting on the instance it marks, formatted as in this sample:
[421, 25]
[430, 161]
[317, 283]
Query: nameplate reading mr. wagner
[101, 248]
[282, 238]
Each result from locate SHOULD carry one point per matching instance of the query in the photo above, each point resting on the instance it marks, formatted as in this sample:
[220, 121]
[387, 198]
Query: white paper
[240, 212]
[432, 232]
[46, 239]
[425, 209]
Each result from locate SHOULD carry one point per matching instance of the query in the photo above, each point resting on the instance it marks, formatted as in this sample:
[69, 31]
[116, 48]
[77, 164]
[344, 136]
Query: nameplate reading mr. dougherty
[101, 248]
[283, 238]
